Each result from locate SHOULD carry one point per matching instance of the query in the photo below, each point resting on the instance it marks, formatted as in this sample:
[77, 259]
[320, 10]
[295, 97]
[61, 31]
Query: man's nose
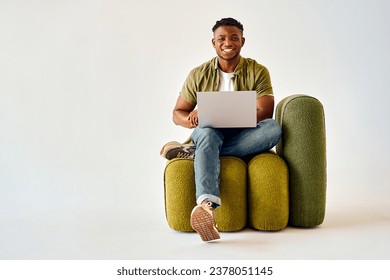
[228, 42]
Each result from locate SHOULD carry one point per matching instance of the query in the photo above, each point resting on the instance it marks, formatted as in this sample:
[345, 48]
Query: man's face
[228, 41]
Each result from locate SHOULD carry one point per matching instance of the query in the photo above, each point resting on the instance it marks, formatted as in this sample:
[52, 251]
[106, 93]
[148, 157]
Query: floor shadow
[356, 216]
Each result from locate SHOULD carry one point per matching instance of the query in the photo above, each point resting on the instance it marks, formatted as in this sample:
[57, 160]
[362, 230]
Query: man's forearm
[180, 117]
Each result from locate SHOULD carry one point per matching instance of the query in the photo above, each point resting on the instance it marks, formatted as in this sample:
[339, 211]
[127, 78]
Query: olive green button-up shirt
[248, 75]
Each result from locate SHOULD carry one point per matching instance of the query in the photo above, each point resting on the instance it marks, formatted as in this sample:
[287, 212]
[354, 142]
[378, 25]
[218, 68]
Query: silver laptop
[227, 109]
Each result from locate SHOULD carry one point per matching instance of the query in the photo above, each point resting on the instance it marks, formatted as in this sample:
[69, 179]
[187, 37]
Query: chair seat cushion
[268, 196]
[180, 198]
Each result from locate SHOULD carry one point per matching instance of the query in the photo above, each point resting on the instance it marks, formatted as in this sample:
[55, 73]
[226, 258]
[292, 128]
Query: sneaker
[176, 150]
[203, 222]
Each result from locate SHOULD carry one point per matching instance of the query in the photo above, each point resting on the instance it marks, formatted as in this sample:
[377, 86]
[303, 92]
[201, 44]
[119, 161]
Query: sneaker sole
[203, 223]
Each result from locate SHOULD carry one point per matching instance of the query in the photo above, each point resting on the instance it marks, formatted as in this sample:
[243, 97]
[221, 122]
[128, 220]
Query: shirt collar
[216, 63]
[237, 71]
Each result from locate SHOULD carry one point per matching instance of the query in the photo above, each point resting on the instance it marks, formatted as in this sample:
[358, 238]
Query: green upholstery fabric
[179, 184]
[180, 194]
[303, 148]
[268, 197]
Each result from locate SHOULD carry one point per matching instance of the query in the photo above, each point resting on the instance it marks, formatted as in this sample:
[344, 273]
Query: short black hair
[228, 22]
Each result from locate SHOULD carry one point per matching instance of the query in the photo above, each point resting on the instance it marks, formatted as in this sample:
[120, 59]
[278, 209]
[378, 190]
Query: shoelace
[184, 155]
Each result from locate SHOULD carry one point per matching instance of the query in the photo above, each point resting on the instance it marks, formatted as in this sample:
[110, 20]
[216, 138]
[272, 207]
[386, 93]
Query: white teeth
[228, 50]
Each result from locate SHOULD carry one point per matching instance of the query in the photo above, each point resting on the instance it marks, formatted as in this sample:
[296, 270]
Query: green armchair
[267, 191]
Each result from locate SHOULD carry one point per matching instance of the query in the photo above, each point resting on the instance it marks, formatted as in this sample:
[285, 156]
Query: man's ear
[242, 41]
[213, 42]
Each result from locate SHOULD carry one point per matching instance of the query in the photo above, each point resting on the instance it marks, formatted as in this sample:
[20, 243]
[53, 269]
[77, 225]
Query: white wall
[87, 89]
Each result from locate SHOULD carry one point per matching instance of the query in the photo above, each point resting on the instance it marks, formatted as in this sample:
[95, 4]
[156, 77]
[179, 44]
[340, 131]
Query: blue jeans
[211, 143]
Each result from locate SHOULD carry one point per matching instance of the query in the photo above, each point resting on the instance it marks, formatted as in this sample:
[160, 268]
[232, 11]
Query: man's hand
[193, 118]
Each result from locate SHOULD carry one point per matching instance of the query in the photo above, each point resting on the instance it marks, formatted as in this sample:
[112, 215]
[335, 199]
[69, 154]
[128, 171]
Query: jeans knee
[273, 129]
[277, 130]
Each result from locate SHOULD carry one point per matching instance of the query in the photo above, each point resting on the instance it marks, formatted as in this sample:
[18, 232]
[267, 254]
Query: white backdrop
[87, 89]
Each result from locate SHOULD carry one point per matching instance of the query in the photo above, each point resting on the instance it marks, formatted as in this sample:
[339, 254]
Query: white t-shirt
[226, 82]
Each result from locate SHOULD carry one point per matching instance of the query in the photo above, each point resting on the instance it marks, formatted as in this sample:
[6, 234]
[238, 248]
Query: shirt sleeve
[188, 91]
[263, 82]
